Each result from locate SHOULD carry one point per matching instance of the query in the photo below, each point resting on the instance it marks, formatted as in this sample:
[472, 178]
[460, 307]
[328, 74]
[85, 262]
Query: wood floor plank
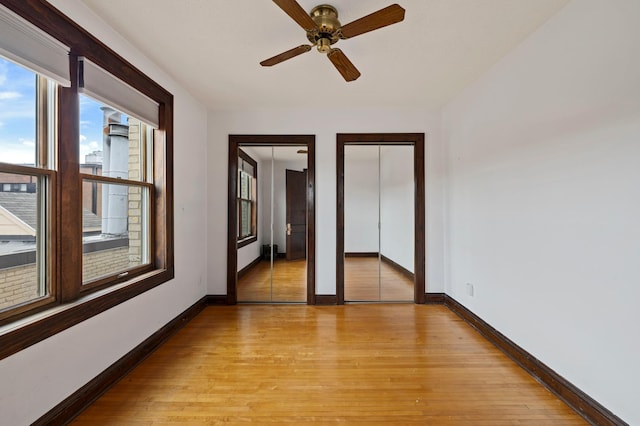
[355, 364]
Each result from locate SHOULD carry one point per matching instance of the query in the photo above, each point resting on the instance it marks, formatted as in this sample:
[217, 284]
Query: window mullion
[69, 191]
[161, 251]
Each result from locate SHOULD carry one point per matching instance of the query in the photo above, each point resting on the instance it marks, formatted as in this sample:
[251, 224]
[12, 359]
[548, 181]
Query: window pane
[112, 143]
[246, 167]
[114, 228]
[21, 259]
[245, 186]
[245, 218]
[17, 114]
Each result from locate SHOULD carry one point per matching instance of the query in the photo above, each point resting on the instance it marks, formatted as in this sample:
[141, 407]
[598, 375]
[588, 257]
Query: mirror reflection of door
[296, 220]
[274, 267]
[378, 223]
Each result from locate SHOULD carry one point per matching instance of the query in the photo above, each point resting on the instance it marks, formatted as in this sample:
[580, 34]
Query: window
[115, 214]
[25, 217]
[247, 199]
[85, 177]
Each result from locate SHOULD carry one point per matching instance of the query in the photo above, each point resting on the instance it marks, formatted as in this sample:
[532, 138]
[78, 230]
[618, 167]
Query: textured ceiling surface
[213, 49]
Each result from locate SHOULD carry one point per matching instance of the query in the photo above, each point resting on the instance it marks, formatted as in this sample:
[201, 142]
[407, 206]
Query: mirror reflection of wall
[397, 204]
[268, 270]
[379, 189]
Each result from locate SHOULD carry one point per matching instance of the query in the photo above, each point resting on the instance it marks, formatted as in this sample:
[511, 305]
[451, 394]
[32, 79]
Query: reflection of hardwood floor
[289, 282]
[380, 364]
[361, 281]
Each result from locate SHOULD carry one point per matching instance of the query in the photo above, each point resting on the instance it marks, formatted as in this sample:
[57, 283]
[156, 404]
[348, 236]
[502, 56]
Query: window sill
[30, 330]
[247, 241]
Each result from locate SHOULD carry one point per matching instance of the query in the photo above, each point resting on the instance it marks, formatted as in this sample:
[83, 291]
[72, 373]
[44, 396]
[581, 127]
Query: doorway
[271, 218]
[380, 244]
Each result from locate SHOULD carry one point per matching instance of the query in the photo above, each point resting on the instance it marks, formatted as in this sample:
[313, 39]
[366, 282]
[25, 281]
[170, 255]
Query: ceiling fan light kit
[324, 29]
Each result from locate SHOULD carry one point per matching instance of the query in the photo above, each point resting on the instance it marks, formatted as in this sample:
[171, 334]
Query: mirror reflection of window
[247, 198]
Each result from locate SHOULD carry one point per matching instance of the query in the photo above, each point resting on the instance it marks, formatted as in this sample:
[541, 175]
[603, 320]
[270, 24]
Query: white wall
[39, 377]
[304, 121]
[544, 198]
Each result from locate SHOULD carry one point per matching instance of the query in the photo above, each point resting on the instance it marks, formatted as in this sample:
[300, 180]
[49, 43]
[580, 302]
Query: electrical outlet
[470, 289]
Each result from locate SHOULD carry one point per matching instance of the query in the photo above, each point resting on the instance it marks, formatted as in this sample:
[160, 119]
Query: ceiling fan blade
[292, 53]
[297, 13]
[387, 16]
[343, 65]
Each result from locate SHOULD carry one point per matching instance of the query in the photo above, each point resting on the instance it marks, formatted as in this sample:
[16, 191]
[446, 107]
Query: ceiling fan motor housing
[326, 19]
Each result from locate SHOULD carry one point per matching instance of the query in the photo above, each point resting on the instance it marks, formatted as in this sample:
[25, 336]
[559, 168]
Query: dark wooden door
[296, 214]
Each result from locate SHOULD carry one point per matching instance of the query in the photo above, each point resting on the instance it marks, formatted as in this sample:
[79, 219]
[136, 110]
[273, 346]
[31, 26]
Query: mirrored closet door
[378, 223]
[272, 229]
[377, 217]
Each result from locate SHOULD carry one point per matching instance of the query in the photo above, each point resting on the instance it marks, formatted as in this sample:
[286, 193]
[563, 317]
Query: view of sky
[17, 117]
[17, 114]
[90, 126]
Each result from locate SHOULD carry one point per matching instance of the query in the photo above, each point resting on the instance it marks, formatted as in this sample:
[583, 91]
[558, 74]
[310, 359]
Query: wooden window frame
[70, 304]
[253, 237]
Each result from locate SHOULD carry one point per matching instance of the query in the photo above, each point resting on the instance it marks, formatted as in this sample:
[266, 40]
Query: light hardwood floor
[374, 364]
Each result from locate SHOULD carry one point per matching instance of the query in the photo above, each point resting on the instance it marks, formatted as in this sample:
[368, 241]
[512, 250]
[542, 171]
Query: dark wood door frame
[417, 141]
[232, 210]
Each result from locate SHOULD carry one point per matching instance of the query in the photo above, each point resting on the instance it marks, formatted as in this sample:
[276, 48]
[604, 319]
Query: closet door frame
[235, 141]
[417, 141]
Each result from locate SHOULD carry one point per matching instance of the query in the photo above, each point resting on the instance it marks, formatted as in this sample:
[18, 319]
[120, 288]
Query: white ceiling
[213, 48]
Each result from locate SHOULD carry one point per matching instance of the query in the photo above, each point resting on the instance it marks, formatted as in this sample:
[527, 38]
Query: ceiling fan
[323, 30]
